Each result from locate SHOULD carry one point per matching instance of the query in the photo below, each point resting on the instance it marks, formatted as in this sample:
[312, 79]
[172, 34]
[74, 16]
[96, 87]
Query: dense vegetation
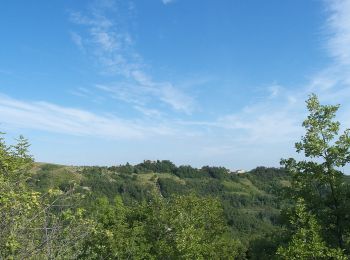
[249, 201]
[157, 210]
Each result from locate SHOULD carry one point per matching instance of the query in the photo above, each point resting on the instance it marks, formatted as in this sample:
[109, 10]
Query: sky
[197, 82]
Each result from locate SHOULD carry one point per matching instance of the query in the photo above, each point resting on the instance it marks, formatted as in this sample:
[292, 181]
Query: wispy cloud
[113, 46]
[107, 41]
[264, 123]
[82, 92]
[272, 120]
[277, 117]
[53, 118]
[126, 92]
[166, 92]
[332, 83]
[151, 113]
[336, 74]
[78, 41]
[339, 30]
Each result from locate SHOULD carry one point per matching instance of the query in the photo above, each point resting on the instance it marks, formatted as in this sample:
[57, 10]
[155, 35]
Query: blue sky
[198, 82]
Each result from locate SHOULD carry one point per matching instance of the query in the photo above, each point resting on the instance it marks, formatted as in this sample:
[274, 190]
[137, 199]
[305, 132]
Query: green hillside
[250, 200]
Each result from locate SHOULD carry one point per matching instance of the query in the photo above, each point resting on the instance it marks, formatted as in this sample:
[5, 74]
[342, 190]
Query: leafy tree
[114, 237]
[307, 243]
[318, 178]
[34, 225]
[188, 227]
[186, 171]
[215, 172]
[16, 201]
[157, 166]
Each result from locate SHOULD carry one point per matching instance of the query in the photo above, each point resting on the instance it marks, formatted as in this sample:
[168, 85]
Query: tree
[114, 237]
[307, 243]
[16, 201]
[189, 227]
[32, 224]
[318, 179]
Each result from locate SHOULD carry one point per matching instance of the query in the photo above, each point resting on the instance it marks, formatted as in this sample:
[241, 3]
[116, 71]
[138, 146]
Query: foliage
[215, 172]
[320, 181]
[307, 243]
[186, 171]
[32, 224]
[185, 227]
[249, 201]
[156, 166]
[113, 237]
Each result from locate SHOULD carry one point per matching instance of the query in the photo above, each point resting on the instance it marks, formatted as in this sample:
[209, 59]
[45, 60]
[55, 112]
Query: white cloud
[176, 98]
[332, 84]
[264, 124]
[151, 113]
[337, 74]
[113, 46]
[166, 92]
[126, 92]
[53, 118]
[145, 91]
[339, 30]
[278, 116]
[274, 120]
[105, 39]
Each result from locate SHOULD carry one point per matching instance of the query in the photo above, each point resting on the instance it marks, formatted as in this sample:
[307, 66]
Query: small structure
[238, 171]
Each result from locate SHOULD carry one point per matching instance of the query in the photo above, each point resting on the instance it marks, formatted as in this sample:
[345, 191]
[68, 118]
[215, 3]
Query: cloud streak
[339, 30]
[113, 46]
[58, 119]
[332, 84]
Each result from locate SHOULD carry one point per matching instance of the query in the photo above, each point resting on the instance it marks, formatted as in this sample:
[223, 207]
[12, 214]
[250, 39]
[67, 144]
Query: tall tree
[319, 178]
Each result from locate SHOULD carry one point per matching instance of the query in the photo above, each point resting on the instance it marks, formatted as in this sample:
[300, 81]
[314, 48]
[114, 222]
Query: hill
[250, 200]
